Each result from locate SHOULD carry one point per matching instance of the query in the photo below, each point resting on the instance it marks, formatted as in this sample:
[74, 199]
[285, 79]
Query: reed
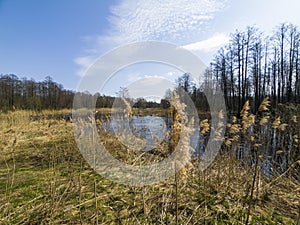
[45, 180]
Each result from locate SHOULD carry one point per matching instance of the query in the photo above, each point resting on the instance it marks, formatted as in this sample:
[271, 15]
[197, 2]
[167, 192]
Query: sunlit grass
[44, 179]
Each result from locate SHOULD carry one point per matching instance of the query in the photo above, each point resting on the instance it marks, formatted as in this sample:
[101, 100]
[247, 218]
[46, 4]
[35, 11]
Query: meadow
[255, 178]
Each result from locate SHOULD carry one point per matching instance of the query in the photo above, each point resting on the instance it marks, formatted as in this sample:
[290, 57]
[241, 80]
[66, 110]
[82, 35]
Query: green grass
[45, 180]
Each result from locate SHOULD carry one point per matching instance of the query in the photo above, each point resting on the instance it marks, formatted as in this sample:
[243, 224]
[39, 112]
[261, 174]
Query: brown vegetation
[44, 178]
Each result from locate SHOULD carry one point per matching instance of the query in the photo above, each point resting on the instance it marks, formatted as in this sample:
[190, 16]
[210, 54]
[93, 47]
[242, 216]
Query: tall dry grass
[254, 179]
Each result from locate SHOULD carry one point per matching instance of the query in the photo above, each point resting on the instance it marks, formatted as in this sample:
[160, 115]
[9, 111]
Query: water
[151, 129]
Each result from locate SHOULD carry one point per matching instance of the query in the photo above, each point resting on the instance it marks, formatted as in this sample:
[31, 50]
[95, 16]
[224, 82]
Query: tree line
[16, 93]
[253, 66]
[250, 67]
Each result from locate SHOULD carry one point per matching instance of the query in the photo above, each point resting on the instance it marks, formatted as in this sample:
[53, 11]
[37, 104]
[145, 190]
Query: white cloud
[171, 75]
[156, 20]
[134, 77]
[211, 44]
[84, 63]
[150, 86]
[180, 21]
[158, 77]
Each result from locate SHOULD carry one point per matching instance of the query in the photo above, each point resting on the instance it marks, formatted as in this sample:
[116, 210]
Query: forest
[250, 67]
[254, 66]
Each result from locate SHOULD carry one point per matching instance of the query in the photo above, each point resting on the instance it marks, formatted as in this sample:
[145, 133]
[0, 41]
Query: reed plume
[247, 119]
[264, 105]
[264, 120]
[228, 142]
[234, 119]
[220, 125]
[204, 127]
[276, 123]
[128, 109]
[245, 110]
[282, 126]
[221, 115]
[295, 140]
[294, 119]
[234, 129]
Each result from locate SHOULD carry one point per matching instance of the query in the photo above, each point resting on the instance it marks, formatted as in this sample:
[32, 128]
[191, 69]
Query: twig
[252, 188]
[176, 195]
[80, 194]
[298, 220]
[144, 202]
[84, 203]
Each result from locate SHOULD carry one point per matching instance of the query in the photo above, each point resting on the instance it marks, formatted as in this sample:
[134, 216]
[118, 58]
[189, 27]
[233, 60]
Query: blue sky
[61, 38]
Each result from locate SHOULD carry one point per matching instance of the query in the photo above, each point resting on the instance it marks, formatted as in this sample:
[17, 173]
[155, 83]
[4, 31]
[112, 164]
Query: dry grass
[45, 180]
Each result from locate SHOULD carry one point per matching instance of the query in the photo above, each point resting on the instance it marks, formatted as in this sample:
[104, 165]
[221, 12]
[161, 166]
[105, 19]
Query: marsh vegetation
[254, 179]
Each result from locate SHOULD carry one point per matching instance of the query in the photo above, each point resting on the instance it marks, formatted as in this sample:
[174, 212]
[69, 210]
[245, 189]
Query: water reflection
[152, 129]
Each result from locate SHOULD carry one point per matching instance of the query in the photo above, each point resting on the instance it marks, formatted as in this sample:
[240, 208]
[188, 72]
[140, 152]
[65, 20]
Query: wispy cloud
[210, 44]
[167, 20]
[178, 21]
[151, 86]
[84, 63]
[133, 77]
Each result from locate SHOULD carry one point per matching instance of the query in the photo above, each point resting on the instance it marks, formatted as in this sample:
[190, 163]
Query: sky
[63, 38]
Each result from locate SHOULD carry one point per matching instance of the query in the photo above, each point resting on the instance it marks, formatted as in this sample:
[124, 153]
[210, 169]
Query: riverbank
[44, 179]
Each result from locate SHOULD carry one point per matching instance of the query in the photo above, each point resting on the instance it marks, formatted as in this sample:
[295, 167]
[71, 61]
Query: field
[45, 180]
